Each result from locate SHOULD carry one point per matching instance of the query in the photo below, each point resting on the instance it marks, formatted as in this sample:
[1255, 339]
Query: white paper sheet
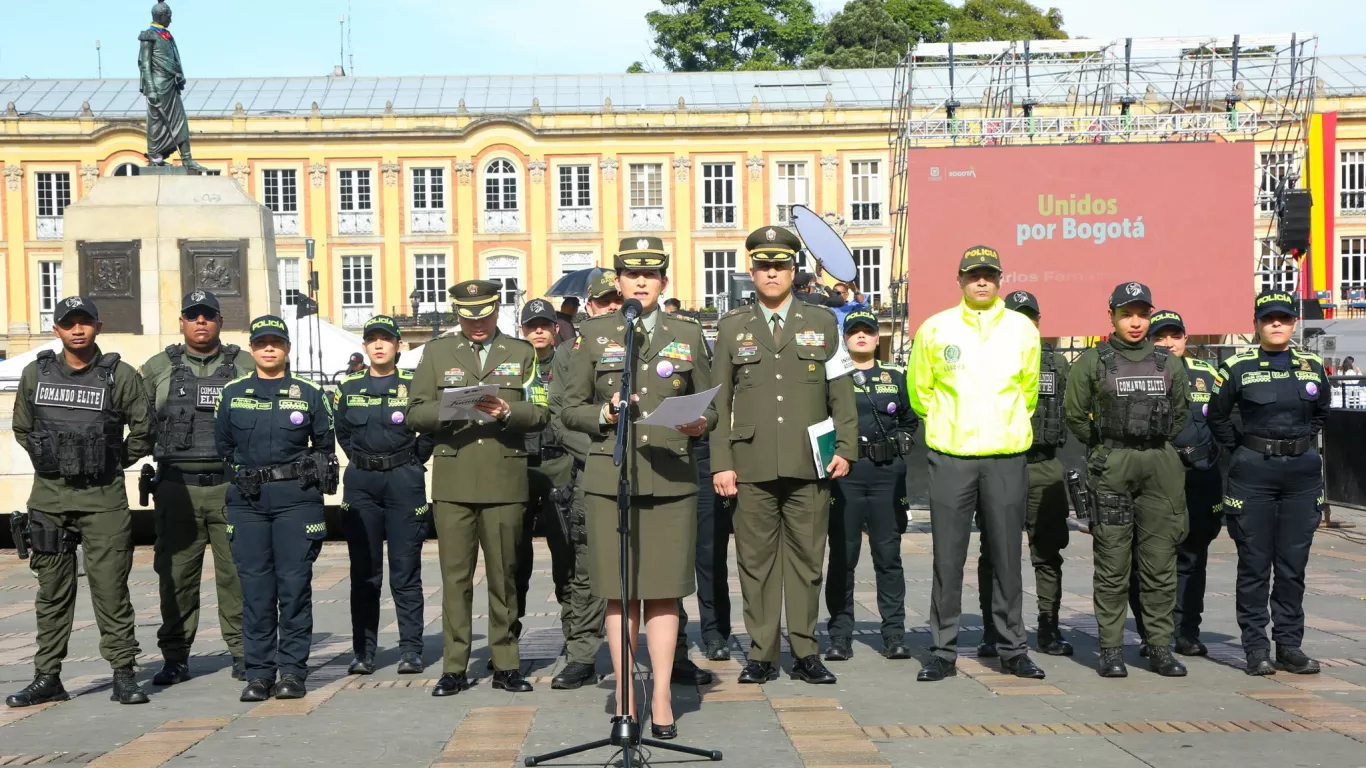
[677, 411]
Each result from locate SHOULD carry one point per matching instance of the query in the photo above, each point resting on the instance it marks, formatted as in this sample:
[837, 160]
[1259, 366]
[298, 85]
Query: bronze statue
[163, 78]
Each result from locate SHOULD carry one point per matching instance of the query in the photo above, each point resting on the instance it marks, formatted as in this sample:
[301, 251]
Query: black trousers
[1204, 505]
[541, 517]
[872, 496]
[1273, 506]
[377, 507]
[713, 548]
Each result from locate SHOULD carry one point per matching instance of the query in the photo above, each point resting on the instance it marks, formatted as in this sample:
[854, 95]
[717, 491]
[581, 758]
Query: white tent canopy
[320, 347]
[11, 369]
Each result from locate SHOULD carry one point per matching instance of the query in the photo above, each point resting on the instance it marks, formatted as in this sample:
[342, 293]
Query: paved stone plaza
[876, 715]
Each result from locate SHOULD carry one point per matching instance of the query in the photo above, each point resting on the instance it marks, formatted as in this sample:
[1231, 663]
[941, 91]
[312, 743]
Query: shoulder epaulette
[742, 309]
[1299, 353]
[1196, 362]
[353, 376]
[309, 382]
[403, 373]
[1240, 357]
[685, 318]
[243, 377]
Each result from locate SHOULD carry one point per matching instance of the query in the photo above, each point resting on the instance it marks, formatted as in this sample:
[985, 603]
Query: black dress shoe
[936, 669]
[1022, 666]
[1188, 647]
[43, 689]
[239, 668]
[664, 732]
[759, 672]
[1295, 661]
[450, 684]
[172, 672]
[410, 663]
[511, 680]
[290, 687]
[841, 648]
[574, 675]
[1112, 663]
[718, 650]
[1161, 661]
[126, 688]
[686, 672]
[259, 689]
[1259, 663]
[895, 647]
[362, 665]
[811, 670]
[987, 651]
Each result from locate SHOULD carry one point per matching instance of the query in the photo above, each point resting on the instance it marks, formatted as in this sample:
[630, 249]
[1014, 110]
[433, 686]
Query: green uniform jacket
[156, 379]
[477, 461]
[663, 462]
[770, 396]
[577, 443]
[53, 494]
[1083, 387]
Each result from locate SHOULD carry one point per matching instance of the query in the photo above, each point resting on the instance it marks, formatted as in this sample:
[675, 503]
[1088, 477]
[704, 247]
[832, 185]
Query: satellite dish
[824, 243]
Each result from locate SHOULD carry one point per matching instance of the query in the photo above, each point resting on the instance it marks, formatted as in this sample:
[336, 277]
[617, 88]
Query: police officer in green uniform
[479, 476]
[183, 382]
[1127, 401]
[69, 415]
[770, 360]
[1046, 514]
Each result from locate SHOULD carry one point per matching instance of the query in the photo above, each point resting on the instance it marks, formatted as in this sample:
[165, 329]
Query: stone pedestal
[138, 244]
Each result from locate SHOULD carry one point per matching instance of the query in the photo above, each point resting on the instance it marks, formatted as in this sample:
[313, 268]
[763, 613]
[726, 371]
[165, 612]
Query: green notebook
[822, 445]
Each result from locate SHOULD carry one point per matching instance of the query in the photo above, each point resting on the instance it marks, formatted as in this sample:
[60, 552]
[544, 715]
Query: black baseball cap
[382, 323]
[1022, 301]
[197, 299]
[860, 317]
[269, 325]
[72, 305]
[538, 309]
[979, 257]
[1130, 293]
[803, 279]
[1165, 319]
[1271, 302]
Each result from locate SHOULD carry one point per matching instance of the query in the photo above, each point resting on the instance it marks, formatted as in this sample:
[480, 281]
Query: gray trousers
[960, 486]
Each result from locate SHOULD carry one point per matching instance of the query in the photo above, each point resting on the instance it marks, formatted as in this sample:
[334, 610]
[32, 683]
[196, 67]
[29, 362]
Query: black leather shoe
[511, 680]
[664, 732]
[43, 689]
[126, 688]
[1143, 649]
[895, 648]
[575, 675]
[172, 672]
[450, 684]
[987, 651]
[759, 672]
[290, 687]
[1022, 666]
[1187, 647]
[362, 665]
[718, 650]
[1259, 663]
[936, 669]
[259, 689]
[841, 648]
[1161, 661]
[812, 670]
[1294, 660]
[686, 672]
[410, 663]
[239, 668]
[1112, 663]
[1049, 637]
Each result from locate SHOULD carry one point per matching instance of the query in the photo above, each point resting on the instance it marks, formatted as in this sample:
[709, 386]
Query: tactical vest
[1050, 431]
[547, 438]
[185, 420]
[1133, 408]
[77, 426]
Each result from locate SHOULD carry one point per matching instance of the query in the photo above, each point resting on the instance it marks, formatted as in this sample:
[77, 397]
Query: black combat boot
[1259, 663]
[841, 648]
[43, 689]
[172, 672]
[1049, 637]
[1112, 663]
[1295, 661]
[1161, 661]
[126, 688]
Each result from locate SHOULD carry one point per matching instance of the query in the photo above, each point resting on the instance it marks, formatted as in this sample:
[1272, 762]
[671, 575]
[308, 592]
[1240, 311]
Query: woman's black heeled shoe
[664, 732]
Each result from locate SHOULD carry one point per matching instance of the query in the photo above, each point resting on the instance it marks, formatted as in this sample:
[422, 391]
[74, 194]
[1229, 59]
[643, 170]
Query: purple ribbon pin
[1312, 389]
[891, 407]
[1204, 409]
[665, 369]
[396, 417]
[296, 418]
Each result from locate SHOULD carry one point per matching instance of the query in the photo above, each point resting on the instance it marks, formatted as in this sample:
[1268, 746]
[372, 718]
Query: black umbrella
[575, 283]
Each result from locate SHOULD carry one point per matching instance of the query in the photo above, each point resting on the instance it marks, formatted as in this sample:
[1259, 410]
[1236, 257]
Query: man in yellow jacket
[974, 380]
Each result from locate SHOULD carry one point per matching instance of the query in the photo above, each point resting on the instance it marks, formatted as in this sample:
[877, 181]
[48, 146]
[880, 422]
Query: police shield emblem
[294, 392]
[402, 390]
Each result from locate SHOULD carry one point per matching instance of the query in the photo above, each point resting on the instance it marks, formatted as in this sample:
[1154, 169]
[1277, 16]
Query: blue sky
[458, 37]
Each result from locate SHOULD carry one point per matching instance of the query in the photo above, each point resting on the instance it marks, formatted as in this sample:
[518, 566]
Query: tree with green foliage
[729, 35]
[875, 33]
[1005, 20]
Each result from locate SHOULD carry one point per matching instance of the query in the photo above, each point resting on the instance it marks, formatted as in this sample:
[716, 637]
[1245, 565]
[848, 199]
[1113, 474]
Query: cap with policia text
[383, 324]
[269, 325]
[860, 317]
[475, 299]
[605, 284]
[641, 253]
[1022, 301]
[773, 244]
[538, 309]
[979, 257]
[1165, 319]
[75, 305]
[1130, 293]
[199, 299]
[1273, 302]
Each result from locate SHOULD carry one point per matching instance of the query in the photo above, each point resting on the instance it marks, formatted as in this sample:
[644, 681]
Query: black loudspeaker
[1313, 310]
[1292, 221]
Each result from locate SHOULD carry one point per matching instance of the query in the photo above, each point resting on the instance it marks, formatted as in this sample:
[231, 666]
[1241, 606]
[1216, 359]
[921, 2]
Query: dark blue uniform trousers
[380, 506]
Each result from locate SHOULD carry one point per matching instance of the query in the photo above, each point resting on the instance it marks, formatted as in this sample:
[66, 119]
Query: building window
[718, 194]
[49, 292]
[429, 278]
[792, 189]
[1352, 273]
[429, 200]
[54, 195]
[356, 216]
[281, 193]
[647, 196]
[1275, 271]
[574, 261]
[1277, 173]
[1354, 182]
[866, 192]
[287, 275]
[358, 290]
[500, 197]
[868, 261]
[127, 169]
[717, 267]
[576, 198]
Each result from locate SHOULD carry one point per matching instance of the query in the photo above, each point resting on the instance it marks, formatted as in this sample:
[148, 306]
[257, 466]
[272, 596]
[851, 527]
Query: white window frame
[355, 201]
[505, 215]
[573, 261]
[1271, 167]
[49, 292]
[720, 195]
[1352, 182]
[427, 194]
[280, 193]
[1276, 271]
[866, 206]
[358, 298]
[1352, 263]
[792, 186]
[430, 276]
[574, 197]
[291, 280]
[506, 270]
[717, 264]
[52, 193]
[645, 204]
[126, 169]
[868, 263]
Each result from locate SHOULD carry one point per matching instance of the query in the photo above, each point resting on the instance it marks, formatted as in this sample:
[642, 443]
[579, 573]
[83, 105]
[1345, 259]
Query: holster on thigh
[49, 538]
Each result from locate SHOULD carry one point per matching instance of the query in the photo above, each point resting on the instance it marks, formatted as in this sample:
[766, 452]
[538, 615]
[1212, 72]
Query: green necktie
[777, 330]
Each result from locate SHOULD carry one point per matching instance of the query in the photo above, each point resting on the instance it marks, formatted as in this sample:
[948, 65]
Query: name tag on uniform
[1307, 376]
[1255, 377]
[508, 369]
[1140, 385]
[810, 339]
[886, 389]
[249, 404]
[293, 405]
[360, 401]
[70, 396]
[207, 396]
[1047, 383]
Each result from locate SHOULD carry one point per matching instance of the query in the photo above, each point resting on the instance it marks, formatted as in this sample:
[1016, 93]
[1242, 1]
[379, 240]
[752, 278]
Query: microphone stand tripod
[625, 728]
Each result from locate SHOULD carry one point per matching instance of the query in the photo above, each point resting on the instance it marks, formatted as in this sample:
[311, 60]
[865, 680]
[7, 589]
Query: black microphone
[632, 309]
[860, 378]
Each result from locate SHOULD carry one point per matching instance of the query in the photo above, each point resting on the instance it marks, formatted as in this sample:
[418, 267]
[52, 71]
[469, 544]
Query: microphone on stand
[632, 309]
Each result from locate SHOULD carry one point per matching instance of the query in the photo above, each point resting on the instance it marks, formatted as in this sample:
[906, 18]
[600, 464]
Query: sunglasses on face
[194, 315]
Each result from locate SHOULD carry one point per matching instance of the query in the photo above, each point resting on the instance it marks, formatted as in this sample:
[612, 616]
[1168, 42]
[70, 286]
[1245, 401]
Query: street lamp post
[416, 299]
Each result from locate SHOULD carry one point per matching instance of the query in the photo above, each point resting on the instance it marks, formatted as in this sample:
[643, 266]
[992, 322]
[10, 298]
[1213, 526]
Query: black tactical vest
[1047, 421]
[536, 442]
[77, 426]
[1133, 408]
[185, 420]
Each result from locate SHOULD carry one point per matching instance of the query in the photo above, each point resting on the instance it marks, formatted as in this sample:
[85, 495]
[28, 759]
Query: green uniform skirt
[662, 547]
